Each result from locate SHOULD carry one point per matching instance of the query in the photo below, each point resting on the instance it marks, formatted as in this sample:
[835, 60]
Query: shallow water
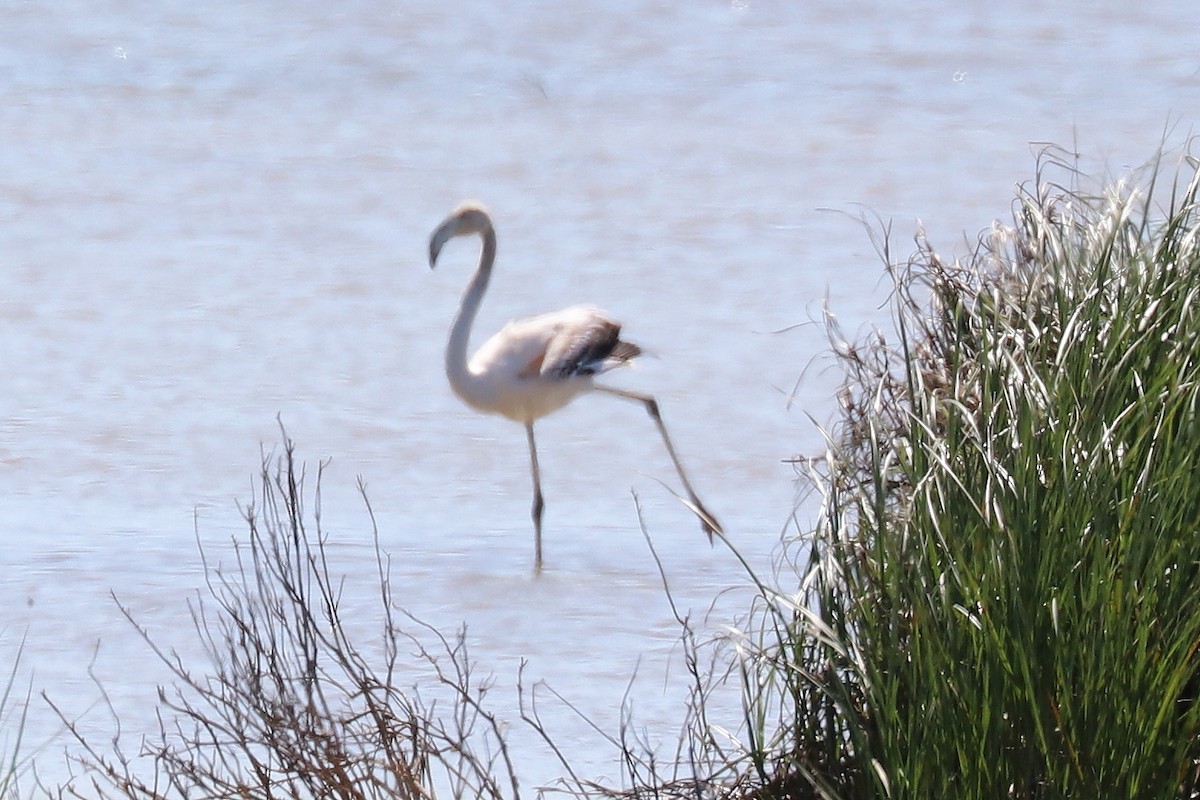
[212, 217]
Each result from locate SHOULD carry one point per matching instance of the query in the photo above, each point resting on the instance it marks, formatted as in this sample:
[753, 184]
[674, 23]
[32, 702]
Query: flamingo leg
[538, 503]
[708, 522]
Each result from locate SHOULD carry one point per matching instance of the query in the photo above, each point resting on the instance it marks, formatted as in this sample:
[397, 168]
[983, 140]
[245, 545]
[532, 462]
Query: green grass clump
[1002, 595]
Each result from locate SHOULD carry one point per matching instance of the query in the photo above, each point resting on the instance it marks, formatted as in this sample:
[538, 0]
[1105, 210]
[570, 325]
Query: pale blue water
[213, 215]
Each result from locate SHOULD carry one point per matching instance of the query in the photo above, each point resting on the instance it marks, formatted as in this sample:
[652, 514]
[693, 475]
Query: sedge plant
[1002, 595]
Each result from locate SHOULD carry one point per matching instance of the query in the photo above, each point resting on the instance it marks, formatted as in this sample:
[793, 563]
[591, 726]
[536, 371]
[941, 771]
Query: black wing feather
[589, 349]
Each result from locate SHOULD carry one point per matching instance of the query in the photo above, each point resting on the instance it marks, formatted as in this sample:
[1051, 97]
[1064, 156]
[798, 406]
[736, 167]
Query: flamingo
[535, 366]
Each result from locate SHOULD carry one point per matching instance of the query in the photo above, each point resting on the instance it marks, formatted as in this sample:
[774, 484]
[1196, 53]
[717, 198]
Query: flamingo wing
[584, 342]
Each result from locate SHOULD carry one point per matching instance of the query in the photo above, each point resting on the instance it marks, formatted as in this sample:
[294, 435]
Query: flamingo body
[534, 366]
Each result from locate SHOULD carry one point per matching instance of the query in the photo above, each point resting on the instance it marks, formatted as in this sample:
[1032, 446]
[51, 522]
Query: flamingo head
[469, 218]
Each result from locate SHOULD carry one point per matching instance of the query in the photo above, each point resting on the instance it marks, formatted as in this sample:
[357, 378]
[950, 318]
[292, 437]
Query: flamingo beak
[445, 232]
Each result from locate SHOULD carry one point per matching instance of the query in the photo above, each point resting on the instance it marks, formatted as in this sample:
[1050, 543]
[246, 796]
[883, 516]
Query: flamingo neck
[469, 385]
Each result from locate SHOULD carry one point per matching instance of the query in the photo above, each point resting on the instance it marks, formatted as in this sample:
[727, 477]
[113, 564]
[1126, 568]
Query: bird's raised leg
[538, 504]
[707, 521]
